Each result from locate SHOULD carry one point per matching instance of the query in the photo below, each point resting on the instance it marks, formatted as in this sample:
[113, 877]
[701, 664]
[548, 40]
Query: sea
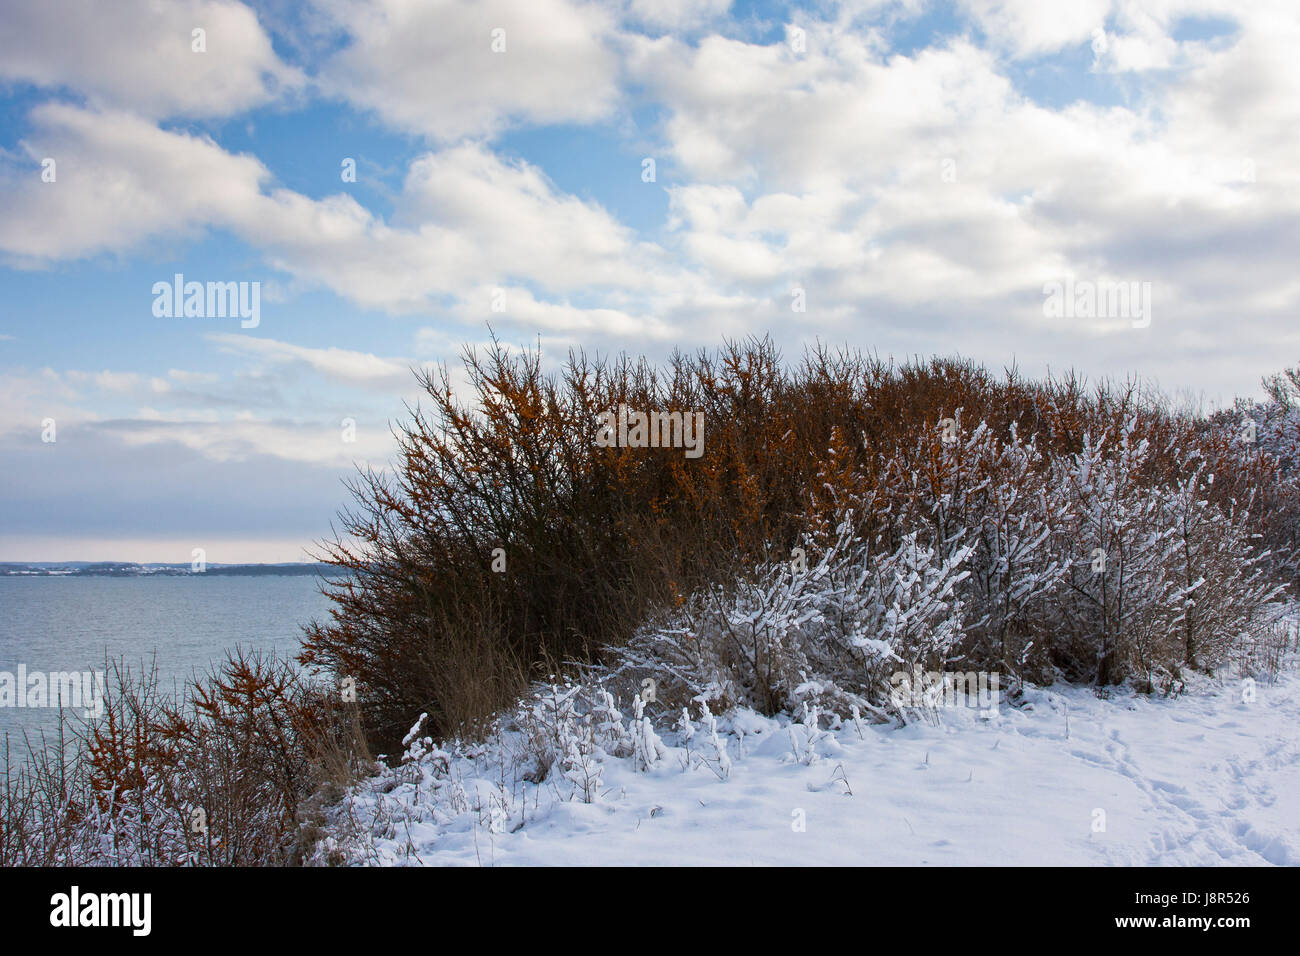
[180, 624]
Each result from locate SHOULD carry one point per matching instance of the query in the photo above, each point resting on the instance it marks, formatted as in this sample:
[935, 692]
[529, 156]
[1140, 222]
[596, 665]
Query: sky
[397, 180]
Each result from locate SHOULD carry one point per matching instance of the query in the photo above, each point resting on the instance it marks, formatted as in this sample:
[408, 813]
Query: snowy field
[1059, 777]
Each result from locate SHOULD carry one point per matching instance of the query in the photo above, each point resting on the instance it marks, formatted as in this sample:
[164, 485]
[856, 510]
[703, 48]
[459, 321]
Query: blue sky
[920, 170]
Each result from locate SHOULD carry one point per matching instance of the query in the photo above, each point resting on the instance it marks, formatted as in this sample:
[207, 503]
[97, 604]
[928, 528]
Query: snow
[1060, 776]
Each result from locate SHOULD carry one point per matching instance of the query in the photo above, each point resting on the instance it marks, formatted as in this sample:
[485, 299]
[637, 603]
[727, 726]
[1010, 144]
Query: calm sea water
[184, 623]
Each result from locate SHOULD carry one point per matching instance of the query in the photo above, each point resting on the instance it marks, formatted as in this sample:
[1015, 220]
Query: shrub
[834, 631]
[938, 458]
[229, 773]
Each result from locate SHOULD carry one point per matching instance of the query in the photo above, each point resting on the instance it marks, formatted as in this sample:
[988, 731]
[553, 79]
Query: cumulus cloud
[1027, 28]
[118, 181]
[431, 68]
[842, 111]
[891, 184]
[138, 55]
[467, 217]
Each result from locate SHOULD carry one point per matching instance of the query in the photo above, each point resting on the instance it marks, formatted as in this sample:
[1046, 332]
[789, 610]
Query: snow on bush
[1159, 578]
[994, 558]
[994, 497]
[835, 630]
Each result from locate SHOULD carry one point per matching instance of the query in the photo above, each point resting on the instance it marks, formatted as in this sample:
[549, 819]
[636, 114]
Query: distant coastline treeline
[128, 569]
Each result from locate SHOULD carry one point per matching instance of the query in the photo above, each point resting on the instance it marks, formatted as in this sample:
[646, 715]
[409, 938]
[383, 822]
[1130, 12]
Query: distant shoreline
[128, 569]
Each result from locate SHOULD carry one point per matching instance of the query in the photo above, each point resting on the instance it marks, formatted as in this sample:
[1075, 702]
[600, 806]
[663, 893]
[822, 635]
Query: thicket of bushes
[1031, 570]
[1015, 489]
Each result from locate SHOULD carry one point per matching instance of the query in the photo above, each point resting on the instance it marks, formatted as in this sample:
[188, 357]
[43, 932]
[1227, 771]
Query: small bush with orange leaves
[506, 542]
[231, 772]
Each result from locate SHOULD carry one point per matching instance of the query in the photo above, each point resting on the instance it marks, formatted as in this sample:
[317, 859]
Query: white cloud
[340, 365]
[119, 180]
[676, 14]
[29, 397]
[844, 110]
[525, 227]
[520, 307]
[242, 437]
[827, 168]
[1030, 27]
[467, 217]
[137, 55]
[107, 380]
[185, 377]
[429, 67]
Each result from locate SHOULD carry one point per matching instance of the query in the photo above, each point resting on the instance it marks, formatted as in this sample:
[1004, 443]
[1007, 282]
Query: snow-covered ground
[1060, 777]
